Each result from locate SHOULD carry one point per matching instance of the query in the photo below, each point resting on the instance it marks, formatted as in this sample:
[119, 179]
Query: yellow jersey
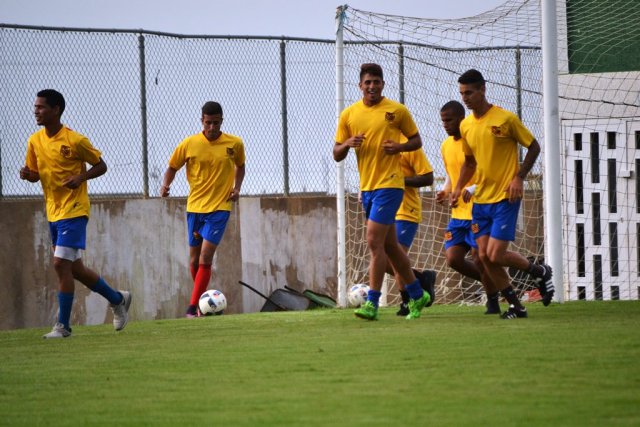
[493, 140]
[63, 155]
[453, 158]
[210, 170]
[412, 163]
[387, 120]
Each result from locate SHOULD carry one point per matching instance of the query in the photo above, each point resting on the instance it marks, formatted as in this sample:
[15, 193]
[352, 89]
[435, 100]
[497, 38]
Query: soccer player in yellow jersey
[459, 238]
[374, 127]
[56, 156]
[490, 141]
[215, 171]
[417, 173]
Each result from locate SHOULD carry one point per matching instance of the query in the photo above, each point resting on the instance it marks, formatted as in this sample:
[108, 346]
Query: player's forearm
[529, 159]
[447, 185]
[466, 173]
[414, 143]
[419, 180]
[238, 178]
[95, 171]
[169, 176]
[340, 151]
[32, 176]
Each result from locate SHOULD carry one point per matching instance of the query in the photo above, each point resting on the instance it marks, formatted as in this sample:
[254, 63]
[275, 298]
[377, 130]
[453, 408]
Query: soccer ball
[212, 302]
[358, 294]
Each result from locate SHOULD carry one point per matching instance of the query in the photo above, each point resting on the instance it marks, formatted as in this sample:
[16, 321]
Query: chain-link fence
[137, 94]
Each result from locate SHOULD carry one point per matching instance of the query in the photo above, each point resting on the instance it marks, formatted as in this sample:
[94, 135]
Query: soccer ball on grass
[212, 302]
[358, 294]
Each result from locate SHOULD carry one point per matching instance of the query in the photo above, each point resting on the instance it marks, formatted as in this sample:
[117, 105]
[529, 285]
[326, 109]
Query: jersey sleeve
[466, 148]
[421, 163]
[519, 132]
[239, 154]
[31, 160]
[407, 125]
[179, 156]
[443, 155]
[87, 152]
[342, 131]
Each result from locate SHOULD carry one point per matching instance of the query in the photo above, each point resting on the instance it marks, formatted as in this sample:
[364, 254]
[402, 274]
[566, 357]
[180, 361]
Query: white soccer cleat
[58, 331]
[121, 311]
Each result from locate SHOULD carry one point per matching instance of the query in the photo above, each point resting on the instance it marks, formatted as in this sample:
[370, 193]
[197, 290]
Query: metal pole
[519, 83]
[519, 95]
[283, 102]
[401, 72]
[552, 163]
[340, 196]
[1, 168]
[143, 118]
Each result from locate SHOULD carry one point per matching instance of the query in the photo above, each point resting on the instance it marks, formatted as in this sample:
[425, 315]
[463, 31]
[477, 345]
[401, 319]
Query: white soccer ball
[358, 294]
[212, 302]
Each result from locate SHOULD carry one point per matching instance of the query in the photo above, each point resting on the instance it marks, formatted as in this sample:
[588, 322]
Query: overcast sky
[291, 18]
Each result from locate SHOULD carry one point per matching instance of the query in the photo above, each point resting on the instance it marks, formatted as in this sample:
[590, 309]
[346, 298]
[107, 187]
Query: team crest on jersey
[448, 236]
[475, 228]
[65, 151]
[389, 117]
[499, 130]
[230, 152]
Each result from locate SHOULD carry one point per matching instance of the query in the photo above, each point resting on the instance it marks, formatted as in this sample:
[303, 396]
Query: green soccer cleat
[367, 311]
[416, 306]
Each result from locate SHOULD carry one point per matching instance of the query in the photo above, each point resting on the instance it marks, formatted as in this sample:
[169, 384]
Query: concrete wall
[288, 241]
[141, 246]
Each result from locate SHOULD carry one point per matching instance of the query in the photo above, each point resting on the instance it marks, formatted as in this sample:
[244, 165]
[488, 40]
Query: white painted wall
[141, 246]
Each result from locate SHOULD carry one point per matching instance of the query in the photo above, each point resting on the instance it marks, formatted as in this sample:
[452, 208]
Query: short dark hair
[471, 76]
[455, 107]
[371, 68]
[210, 108]
[53, 98]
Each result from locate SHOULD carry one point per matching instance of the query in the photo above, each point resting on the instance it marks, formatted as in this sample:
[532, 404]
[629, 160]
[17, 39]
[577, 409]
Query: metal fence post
[0, 168]
[519, 83]
[283, 102]
[401, 72]
[143, 118]
[519, 95]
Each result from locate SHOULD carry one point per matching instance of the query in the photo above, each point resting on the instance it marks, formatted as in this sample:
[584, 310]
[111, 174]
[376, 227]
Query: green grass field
[570, 364]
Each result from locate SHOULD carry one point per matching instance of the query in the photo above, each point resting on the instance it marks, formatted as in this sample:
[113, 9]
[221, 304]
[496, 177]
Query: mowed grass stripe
[567, 364]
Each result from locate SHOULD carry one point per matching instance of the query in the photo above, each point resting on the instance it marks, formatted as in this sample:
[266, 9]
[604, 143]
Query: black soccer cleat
[514, 313]
[427, 281]
[493, 306]
[404, 306]
[544, 284]
[404, 310]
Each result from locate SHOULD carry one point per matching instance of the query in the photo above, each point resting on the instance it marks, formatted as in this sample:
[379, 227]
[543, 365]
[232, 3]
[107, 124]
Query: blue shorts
[406, 232]
[381, 205]
[459, 234]
[70, 233]
[207, 226]
[498, 220]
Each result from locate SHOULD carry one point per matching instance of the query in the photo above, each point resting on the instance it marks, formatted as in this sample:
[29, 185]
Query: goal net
[422, 60]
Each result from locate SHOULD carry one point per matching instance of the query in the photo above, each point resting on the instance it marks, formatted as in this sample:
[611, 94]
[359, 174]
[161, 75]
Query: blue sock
[65, 302]
[414, 290]
[114, 297]
[374, 297]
